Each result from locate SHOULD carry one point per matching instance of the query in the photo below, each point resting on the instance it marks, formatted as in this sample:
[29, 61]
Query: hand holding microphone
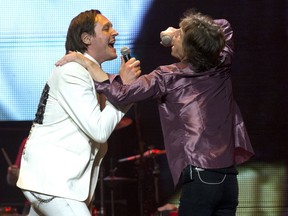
[130, 67]
[167, 35]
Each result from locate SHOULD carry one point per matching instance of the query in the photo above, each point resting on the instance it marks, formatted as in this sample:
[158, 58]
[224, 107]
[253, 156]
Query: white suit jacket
[68, 141]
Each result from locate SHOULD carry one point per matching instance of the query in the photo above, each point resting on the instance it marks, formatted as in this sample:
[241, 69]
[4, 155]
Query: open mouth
[111, 44]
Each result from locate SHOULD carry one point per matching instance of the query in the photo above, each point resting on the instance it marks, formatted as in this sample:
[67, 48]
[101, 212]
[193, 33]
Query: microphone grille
[166, 40]
[125, 51]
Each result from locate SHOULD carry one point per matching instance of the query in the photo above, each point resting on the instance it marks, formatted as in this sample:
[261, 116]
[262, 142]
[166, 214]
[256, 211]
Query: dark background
[259, 76]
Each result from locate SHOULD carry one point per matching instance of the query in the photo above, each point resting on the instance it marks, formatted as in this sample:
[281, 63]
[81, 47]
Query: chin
[114, 57]
[111, 58]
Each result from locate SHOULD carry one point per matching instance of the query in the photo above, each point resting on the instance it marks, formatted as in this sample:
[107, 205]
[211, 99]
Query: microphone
[125, 52]
[166, 40]
[167, 35]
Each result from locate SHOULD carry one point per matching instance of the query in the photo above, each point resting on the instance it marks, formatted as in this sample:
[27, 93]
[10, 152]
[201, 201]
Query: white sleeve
[78, 98]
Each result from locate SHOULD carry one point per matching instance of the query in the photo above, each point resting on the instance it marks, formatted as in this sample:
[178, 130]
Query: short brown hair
[84, 22]
[203, 40]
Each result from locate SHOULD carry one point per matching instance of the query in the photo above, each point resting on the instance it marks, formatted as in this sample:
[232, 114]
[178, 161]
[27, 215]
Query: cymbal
[148, 153]
[124, 122]
[115, 178]
[112, 181]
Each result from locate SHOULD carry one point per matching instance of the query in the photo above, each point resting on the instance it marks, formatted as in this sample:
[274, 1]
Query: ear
[85, 37]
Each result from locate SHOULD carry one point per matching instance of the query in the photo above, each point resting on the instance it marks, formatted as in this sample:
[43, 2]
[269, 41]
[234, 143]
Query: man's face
[177, 49]
[101, 46]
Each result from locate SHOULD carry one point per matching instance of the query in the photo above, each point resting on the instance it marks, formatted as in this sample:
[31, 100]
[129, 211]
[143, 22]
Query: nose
[114, 33]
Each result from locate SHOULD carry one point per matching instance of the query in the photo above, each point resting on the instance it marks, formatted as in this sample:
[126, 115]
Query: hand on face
[130, 70]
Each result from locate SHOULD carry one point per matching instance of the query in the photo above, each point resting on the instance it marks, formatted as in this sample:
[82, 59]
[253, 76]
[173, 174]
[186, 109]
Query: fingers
[62, 61]
[135, 68]
[67, 58]
[133, 65]
[122, 60]
[130, 70]
[13, 166]
[133, 62]
[130, 61]
[138, 73]
[136, 63]
[13, 169]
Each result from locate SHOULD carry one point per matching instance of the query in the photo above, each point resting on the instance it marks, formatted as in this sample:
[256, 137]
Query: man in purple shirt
[204, 134]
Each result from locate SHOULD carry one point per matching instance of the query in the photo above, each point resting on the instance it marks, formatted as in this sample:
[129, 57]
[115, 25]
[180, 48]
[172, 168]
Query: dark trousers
[208, 193]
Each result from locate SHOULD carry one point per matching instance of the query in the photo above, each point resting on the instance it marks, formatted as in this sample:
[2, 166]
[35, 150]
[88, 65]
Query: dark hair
[84, 22]
[203, 40]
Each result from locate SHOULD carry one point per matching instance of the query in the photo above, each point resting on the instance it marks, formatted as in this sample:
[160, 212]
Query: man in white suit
[67, 142]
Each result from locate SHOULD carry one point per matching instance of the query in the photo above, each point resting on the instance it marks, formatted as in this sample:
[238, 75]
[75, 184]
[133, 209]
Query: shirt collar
[91, 58]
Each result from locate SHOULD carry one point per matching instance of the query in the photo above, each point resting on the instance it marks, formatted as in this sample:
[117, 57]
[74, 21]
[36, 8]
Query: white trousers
[45, 205]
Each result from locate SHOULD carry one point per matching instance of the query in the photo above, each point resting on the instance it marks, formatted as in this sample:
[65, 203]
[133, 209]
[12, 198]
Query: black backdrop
[259, 80]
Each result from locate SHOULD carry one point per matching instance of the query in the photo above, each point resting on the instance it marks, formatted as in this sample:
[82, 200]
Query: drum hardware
[111, 182]
[156, 172]
[141, 156]
[148, 153]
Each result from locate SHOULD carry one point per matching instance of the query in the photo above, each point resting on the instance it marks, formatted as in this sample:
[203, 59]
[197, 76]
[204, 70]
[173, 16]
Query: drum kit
[112, 181]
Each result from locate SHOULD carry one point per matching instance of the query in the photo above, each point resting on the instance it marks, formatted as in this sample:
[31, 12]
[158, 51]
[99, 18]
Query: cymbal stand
[112, 174]
[102, 201]
[156, 172]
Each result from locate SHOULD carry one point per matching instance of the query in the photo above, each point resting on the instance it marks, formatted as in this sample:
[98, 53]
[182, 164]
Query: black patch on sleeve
[42, 104]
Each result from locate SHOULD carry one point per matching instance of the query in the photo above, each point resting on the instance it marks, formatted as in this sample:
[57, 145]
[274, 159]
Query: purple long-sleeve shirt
[201, 122]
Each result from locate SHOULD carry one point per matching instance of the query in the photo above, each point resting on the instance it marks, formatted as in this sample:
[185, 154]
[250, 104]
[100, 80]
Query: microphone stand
[141, 163]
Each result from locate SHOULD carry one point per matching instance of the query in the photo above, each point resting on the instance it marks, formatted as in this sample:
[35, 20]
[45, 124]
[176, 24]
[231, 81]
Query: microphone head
[166, 40]
[125, 51]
